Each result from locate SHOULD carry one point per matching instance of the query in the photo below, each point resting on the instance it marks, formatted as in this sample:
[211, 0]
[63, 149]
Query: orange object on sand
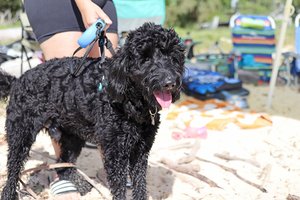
[172, 115]
[219, 124]
[260, 122]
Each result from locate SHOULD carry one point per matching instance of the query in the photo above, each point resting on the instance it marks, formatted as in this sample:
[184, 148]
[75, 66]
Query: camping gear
[133, 13]
[25, 46]
[28, 41]
[215, 59]
[254, 43]
[288, 11]
[291, 59]
[189, 45]
[193, 118]
[297, 43]
[206, 84]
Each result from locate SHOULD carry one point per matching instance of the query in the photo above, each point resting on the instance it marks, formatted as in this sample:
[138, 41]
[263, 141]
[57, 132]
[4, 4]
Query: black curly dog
[114, 105]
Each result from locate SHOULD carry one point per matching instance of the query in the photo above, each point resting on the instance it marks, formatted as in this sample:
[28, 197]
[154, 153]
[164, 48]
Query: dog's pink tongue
[163, 98]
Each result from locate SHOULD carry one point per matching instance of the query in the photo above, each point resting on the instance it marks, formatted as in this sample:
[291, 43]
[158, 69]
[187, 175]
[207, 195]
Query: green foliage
[185, 13]
[13, 5]
[296, 4]
[6, 26]
[249, 7]
[207, 38]
[180, 11]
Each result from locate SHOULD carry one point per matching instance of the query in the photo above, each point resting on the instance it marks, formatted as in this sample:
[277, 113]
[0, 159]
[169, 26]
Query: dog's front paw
[83, 187]
[9, 194]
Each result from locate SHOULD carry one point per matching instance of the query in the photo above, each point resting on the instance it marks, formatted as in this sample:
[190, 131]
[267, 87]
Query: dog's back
[49, 91]
[50, 77]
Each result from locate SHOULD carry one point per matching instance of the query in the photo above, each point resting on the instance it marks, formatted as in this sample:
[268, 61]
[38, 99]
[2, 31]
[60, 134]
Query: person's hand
[91, 12]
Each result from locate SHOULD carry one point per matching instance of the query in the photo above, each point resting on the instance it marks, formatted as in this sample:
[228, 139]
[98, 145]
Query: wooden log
[227, 157]
[192, 155]
[186, 169]
[292, 197]
[234, 172]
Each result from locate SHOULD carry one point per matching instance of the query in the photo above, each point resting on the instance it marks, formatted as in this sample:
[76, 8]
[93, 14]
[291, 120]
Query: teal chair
[133, 13]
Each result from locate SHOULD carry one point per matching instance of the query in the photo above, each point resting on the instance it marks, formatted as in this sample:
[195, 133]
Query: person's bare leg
[62, 45]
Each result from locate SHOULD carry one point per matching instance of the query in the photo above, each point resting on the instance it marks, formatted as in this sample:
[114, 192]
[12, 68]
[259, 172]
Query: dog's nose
[169, 84]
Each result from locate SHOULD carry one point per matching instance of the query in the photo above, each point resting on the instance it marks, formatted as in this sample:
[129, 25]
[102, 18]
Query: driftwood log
[189, 169]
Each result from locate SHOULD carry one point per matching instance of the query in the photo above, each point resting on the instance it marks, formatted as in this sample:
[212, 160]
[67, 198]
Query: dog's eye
[148, 54]
[145, 50]
[164, 51]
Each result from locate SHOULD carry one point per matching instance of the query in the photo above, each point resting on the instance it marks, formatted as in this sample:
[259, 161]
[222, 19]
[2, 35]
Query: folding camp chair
[28, 41]
[297, 43]
[25, 46]
[292, 59]
[21, 48]
[253, 44]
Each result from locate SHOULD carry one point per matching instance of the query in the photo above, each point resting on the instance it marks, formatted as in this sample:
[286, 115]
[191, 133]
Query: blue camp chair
[292, 59]
[133, 13]
[297, 43]
[254, 43]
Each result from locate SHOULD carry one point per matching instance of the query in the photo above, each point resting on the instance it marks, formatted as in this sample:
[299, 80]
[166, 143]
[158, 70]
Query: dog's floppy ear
[118, 76]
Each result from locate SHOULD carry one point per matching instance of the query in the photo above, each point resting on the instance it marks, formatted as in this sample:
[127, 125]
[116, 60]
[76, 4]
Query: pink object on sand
[191, 132]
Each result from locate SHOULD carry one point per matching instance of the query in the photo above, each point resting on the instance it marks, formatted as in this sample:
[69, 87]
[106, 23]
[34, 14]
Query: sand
[260, 163]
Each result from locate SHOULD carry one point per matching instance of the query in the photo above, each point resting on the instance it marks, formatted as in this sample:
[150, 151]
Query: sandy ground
[284, 102]
[238, 164]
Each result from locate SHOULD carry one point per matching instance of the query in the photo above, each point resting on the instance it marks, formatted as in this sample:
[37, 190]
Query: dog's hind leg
[71, 146]
[20, 137]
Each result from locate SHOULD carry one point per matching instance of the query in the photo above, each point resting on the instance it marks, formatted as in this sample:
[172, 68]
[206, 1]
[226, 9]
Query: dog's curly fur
[116, 119]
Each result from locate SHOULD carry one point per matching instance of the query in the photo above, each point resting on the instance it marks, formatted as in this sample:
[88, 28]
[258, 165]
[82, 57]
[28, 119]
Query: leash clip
[97, 32]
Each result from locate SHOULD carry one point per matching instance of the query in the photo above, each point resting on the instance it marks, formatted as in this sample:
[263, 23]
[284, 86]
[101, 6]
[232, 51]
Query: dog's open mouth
[164, 98]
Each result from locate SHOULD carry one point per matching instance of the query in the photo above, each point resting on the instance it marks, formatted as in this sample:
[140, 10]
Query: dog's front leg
[138, 173]
[115, 164]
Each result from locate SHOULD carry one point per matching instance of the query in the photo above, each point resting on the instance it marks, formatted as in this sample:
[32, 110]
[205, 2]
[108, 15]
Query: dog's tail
[6, 81]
